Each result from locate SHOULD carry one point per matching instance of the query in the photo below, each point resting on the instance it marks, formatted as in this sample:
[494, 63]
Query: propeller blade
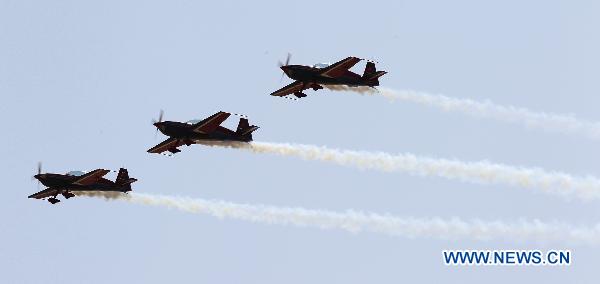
[160, 117]
[287, 60]
[281, 79]
[39, 171]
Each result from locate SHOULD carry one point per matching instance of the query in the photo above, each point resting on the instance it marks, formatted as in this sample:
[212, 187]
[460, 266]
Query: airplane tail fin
[124, 180]
[245, 130]
[372, 75]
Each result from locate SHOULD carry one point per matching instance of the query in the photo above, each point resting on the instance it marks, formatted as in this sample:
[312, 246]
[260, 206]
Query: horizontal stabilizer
[244, 128]
[377, 75]
[250, 130]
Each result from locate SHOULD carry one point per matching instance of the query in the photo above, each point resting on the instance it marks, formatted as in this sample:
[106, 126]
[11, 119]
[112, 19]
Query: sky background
[80, 82]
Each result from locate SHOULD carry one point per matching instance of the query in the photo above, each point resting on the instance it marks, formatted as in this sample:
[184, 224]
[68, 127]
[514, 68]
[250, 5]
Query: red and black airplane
[77, 181]
[324, 74]
[197, 131]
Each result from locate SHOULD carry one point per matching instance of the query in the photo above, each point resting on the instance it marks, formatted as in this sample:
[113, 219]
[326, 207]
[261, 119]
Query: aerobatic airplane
[77, 181]
[324, 74]
[198, 131]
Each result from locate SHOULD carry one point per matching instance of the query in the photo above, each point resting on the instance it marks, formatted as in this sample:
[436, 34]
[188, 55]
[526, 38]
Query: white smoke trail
[358, 89]
[356, 221]
[557, 183]
[548, 121]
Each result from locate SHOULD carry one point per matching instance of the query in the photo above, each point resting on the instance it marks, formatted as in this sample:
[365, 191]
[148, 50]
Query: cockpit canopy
[321, 65]
[76, 173]
[193, 121]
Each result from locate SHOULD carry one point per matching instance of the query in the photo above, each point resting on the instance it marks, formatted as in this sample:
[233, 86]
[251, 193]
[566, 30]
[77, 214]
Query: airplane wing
[91, 177]
[45, 193]
[209, 124]
[166, 145]
[340, 67]
[297, 86]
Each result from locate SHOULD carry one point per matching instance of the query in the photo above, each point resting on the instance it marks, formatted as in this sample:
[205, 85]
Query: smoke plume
[561, 123]
[557, 183]
[357, 221]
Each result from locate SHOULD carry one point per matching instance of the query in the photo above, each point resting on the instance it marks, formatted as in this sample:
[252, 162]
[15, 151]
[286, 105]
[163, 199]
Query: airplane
[197, 131]
[77, 181]
[324, 74]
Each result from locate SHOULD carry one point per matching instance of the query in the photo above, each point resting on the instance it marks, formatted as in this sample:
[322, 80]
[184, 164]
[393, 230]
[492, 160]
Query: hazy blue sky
[80, 82]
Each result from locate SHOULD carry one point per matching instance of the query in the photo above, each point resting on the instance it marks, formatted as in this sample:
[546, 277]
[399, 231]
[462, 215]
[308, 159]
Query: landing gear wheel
[68, 195]
[53, 200]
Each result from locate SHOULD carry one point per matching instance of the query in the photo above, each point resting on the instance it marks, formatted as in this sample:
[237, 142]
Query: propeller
[39, 172]
[287, 62]
[160, 118]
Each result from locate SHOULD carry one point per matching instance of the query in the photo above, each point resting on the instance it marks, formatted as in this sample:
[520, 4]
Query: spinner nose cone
[159, 125]
[286, 69]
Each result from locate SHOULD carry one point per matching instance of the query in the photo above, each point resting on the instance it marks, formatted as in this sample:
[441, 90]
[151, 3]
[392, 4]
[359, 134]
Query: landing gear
[68, 195]
[53, 200]
[299, 94]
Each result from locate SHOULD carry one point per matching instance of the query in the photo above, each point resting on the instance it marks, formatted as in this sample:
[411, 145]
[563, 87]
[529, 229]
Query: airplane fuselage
[309, 74]
[184, 131]
[66, 183]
